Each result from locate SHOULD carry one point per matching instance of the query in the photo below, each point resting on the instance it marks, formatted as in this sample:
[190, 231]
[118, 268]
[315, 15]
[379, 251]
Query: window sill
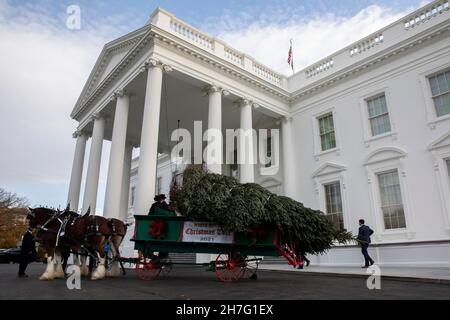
[323, 153]
[432, 123]
[396, 234]
[393, 135]
[271, 171]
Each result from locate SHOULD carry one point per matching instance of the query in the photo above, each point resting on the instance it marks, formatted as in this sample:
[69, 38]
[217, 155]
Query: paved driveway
[192, 283]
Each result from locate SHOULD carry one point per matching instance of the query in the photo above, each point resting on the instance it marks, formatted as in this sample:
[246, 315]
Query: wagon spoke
[147, 269]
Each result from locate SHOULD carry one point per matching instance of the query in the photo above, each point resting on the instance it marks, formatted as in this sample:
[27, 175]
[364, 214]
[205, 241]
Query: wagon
[237, 254]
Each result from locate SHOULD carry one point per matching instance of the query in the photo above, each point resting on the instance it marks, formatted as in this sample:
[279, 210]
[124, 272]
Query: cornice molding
[368, 62]
[223, 65]
[152, 33]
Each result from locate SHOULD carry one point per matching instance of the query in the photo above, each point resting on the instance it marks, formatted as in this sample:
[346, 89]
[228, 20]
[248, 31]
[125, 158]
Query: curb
[362, 276]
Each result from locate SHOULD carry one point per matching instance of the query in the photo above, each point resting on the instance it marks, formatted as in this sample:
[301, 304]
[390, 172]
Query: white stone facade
[362, 126]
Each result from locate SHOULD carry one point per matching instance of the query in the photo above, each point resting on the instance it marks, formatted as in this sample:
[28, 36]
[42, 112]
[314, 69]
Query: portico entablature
[186, 58]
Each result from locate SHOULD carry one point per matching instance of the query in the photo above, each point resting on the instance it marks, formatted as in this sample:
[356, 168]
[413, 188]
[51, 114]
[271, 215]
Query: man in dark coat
[162, 202]
[302, 254]
[364, 234]
[27, 252]
[154, 206]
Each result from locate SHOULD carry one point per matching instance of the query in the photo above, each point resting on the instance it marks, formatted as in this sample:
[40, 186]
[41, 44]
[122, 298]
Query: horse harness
[111, 223]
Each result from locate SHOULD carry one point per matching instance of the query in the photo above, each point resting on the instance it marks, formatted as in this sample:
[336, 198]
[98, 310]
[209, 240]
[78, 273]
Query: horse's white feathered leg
[115, 270]
[49, 273]
[100, 272]
[59, 274]
[84, 268]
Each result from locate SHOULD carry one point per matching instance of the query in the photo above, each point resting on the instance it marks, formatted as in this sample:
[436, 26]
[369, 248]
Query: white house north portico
[365, 132]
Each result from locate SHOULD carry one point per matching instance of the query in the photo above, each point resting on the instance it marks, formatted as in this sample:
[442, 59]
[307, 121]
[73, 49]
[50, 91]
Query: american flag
[291, 57]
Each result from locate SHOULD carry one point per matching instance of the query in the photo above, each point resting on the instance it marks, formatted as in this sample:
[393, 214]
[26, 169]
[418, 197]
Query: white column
[246, 143]
[146, 184]
[289, 169]
[125, 193]
[95, 158]
[77, 170]
[116, 158]
[214, 164]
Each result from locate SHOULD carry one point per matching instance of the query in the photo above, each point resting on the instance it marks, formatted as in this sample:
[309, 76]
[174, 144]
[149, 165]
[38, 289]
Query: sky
[44, 65]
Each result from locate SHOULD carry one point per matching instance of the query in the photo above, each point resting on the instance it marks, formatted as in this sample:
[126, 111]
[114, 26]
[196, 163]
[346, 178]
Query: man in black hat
[162, 202]
[27, 252]
[154, 206]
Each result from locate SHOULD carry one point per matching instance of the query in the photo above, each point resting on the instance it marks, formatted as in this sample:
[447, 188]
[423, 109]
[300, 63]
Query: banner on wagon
[205, 232]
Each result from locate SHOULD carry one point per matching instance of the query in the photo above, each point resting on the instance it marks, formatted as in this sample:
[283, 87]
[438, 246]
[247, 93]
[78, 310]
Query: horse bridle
[55, 216]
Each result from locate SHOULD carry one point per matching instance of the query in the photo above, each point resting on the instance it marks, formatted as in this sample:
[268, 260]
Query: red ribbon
[157, 228]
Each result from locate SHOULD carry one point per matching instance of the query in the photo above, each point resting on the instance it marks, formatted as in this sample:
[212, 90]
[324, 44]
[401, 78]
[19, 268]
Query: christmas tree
[240, 207]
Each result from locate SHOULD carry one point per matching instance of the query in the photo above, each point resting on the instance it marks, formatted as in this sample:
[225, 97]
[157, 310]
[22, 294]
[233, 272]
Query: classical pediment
[328, 168]
[109, 58]
[384, 154]
[443, 141]
[112, 54]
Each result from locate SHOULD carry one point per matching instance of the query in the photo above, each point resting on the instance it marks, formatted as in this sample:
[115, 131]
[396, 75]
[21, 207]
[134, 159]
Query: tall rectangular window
[133, 195]
[448, 166]
[378, 115]
[159, 185]
[269, 151]
[333, 201]
[440, 90]
[327, 133]
[391, 200]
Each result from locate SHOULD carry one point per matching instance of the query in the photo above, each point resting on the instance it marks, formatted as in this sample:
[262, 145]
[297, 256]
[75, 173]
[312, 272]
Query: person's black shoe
[307, 263]
[364, 267]
[300, 267]
[23, 276]
[372, 262]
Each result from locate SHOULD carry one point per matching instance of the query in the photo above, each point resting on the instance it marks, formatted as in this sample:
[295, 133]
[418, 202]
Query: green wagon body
[236, 253]
[261, 243]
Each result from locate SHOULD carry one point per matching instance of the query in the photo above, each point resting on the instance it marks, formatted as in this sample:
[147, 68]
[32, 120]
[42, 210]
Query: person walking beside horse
[27, 251]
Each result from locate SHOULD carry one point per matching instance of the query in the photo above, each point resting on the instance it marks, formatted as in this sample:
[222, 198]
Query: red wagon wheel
[167, 267]
[229, 267]
[147, 269]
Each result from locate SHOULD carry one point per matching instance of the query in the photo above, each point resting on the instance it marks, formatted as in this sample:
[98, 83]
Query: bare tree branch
[10, 200]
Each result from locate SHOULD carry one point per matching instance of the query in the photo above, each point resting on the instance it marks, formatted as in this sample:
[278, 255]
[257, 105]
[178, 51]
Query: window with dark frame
[333, 200]
[269, 151]
[327, 132]
[447, 161]
[391, 200]
[378, 115]
[440, 91]
[133, 194]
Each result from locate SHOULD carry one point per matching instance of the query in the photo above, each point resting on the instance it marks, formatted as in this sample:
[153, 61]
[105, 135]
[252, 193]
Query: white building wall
[403, 80]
